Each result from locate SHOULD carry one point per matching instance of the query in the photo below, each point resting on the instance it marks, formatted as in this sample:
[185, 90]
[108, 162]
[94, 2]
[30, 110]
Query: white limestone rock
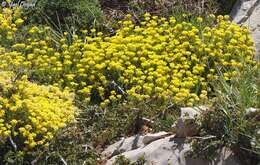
[173, 151]
[247, 12]
[131, 143]
[148, 138]
[125, 144]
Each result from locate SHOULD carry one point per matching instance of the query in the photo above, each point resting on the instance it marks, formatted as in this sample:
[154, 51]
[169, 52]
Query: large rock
[125, 144]
[171, 150]
[148, 138]
[247, 12]
[131, 143]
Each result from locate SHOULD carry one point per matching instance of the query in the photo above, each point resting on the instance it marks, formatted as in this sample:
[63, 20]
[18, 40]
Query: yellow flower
[46, 109]
[199, 19]
[19, 21]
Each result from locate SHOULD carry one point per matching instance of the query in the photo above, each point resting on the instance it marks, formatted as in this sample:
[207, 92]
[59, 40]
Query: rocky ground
[168, 147]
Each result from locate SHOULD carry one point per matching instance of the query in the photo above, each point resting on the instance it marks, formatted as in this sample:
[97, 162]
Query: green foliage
[69, 146]
[166, 8]
[206, 149]
[229, 120]
[121, 160]
[66, 14]
[104, 126]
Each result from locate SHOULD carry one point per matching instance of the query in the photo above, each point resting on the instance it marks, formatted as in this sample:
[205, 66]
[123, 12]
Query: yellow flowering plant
[158, 58]
[31, 114]
[10, 22]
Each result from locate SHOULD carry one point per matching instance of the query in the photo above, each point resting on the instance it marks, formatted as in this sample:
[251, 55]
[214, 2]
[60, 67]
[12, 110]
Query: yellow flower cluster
[10, 21]
[30, 113]
[158, 58]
